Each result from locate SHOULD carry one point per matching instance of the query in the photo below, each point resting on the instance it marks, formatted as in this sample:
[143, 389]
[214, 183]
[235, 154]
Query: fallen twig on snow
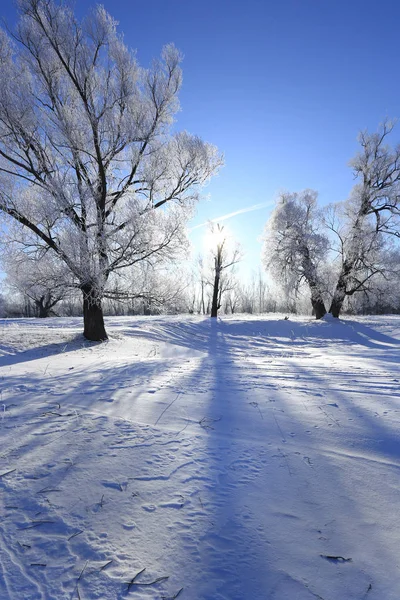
[7, 473]
[75, 534]
[165, 409]
[78, 580]
[336, 558]
[48, 490]
[133, 581]
[36, 524]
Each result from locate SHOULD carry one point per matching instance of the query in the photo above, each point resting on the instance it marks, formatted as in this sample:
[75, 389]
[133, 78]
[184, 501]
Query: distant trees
[354, 234]
[38, 280]
[88, 167]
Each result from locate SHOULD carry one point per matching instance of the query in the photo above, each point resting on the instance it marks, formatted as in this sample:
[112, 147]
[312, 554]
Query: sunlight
[215, 236]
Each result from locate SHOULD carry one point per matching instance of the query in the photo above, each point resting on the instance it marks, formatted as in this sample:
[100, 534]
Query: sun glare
[215, 236]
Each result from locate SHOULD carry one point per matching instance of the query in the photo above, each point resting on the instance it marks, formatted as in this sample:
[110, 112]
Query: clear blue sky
[282, 87]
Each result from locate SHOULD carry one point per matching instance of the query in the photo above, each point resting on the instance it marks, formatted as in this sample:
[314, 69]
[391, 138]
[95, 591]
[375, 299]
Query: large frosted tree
[295, 248]
[88, 166]
[373, 211]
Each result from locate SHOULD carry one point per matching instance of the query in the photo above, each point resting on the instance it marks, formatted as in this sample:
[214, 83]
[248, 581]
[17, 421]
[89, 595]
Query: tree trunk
[340, 293]
[337, 303]
[44, 311]
[93, 321]
[310, 273]
[317, 302]
[318, 307]
[214, 306]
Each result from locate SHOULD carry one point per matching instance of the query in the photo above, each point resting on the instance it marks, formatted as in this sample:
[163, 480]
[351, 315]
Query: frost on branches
[372, 211]
[341, 249]
[294, 248]
[88, 166]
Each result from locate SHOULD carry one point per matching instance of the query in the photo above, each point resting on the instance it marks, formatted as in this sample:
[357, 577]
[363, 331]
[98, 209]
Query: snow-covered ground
[244, 459]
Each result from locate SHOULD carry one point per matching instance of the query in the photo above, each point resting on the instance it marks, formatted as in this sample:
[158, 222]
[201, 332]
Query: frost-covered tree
[158, 287]
[87, 162]
[372, 211]
[295, 247]
[363, 256]
[44, 281]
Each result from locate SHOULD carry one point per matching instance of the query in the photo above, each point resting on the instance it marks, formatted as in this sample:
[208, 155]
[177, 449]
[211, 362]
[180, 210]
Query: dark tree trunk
[340, 293]
[43, 307]
[317, 301]
[336, 306]
[44, 311]
[214, 305]
[319, 309]
[310, 272]
[93, 321]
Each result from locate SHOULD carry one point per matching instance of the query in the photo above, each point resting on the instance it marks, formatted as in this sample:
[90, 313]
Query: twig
[132, 581]
[78, 580]
[336, 558]
[36, 524]
[106, 565]
[75, 534]
[47, 490]
[24, 546]
[7, 473]
[369, 588]
[165, 409]
[255, 404]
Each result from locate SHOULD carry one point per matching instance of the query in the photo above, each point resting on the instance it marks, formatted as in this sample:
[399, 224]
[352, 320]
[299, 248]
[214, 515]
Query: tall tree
[373, 210]
[87, 163]
[295, 248]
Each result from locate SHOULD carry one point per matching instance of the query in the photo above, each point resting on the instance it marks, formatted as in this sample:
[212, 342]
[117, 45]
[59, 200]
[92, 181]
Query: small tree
[223, 258]
[43, 280]
[87, 164]
[294, 246]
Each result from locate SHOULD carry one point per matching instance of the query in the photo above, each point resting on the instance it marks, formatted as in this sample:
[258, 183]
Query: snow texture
[238, 459]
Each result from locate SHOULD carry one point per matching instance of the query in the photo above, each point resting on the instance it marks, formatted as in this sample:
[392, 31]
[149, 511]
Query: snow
[240, 459]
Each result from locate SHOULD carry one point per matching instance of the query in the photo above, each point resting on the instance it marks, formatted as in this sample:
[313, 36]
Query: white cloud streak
[241, 211]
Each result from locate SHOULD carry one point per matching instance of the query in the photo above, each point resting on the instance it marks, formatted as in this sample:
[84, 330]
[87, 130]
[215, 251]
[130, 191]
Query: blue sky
[281, 87]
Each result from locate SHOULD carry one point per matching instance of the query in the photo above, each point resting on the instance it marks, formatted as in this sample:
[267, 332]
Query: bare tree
[86, 158]
[223, 258]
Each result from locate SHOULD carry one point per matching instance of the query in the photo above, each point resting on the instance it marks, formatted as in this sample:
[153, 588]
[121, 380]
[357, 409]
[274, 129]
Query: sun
[215, 236]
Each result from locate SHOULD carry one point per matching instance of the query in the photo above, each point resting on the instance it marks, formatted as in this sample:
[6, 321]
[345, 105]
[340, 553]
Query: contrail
[233, 214]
